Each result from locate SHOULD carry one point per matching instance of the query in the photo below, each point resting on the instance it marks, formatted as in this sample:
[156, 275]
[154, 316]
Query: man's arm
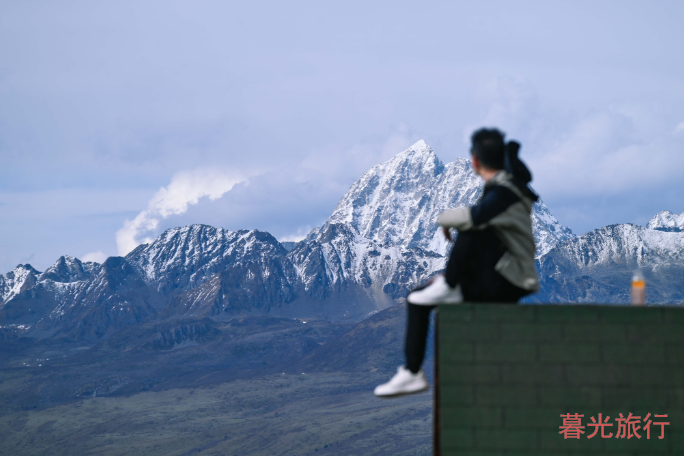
[496, 201]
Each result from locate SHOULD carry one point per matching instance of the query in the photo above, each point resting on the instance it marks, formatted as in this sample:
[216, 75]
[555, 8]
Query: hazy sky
[120, 119]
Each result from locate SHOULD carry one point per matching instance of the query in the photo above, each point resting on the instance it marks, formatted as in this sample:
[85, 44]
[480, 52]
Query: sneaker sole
[403, 393]
[440, 303]
[413, 301]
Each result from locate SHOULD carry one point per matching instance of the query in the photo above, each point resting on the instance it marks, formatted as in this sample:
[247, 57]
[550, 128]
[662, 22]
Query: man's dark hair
[489, 147]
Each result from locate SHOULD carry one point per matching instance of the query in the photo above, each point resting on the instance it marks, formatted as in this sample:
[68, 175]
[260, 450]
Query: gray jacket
[506, 206]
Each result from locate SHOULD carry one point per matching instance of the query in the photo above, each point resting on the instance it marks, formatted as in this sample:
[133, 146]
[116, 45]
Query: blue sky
[132, 117]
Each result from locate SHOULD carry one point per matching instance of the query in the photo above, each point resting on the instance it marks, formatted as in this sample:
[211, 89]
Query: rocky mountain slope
[14, 282]
[379, 242]
[597, 266]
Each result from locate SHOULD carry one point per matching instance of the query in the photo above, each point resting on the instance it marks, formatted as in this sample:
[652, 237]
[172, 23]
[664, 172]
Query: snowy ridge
[69, 269]
[667, 221]
[386, 203]
[341, 257]
[111, 296]
[547, 231]
[186, 257]
[597, 266]
[625, 245]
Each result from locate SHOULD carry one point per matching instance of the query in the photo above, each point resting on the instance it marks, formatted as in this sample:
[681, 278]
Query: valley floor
[296, 414]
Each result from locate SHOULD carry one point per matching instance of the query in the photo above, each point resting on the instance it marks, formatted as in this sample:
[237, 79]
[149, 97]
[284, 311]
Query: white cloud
[97, 257]
[512, 103]
[606, 153]
[606, 150]
[186, 189]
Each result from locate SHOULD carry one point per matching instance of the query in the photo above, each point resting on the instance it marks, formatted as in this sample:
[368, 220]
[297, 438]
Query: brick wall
[507, 373]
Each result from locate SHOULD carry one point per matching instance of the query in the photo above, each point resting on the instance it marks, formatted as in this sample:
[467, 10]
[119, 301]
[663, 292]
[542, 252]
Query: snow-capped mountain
[184, 258]
[78, 299]
[336, 274]
[667, 221]
[380, 241]
[598, 266]
[82, 300]
[398, 202]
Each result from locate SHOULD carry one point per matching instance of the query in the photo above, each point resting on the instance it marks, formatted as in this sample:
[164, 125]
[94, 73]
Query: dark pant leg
[461, 257]
[418, 321]
[472, 264]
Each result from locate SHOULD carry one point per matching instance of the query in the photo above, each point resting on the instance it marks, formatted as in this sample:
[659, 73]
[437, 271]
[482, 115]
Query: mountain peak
[66, 269]
[413, 163]
[667, 221]
[16, 281]
[420, 145]
[418, 152]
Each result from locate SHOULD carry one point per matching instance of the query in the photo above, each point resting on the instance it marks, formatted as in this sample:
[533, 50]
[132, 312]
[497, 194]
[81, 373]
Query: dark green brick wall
[507, 373]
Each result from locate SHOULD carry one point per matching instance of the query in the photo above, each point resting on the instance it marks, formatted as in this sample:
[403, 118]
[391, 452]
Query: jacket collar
[505, 178]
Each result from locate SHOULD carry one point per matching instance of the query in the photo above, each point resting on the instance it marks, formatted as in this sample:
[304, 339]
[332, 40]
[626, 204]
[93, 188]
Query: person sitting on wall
[492, 259]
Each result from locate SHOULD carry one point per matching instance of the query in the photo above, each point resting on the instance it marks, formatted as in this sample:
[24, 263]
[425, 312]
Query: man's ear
[476, 163]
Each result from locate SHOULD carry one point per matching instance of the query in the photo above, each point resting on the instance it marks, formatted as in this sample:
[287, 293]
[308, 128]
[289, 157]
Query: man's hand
[447, 233]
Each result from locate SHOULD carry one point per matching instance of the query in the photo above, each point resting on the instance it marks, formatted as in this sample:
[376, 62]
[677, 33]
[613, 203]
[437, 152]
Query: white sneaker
[404, 382]
[438, 292]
